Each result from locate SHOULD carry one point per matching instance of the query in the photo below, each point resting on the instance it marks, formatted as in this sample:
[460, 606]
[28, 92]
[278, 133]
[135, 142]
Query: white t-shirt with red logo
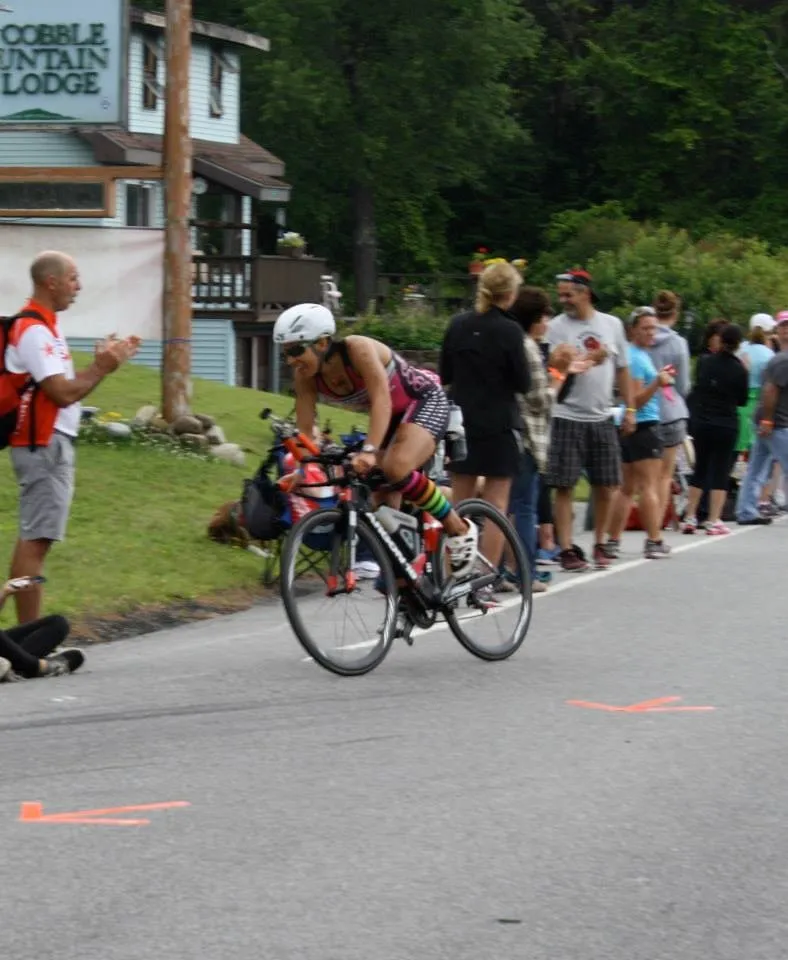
[43, 353]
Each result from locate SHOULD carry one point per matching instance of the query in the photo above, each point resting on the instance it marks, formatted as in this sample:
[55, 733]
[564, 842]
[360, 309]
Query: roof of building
[245, 166]
[202, 28]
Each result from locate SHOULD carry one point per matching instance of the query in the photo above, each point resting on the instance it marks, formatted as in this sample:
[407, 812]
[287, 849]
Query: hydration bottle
[456, 445]
[403, 528]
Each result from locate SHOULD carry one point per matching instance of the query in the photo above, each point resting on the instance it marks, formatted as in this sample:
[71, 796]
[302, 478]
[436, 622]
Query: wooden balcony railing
[255, 284]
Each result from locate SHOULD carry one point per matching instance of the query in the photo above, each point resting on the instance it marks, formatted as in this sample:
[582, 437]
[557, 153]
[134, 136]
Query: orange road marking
[646, 706]
[33, 812]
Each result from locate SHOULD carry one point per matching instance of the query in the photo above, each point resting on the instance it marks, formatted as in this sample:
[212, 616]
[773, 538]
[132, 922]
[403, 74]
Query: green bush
[401, 329]
[719, 275]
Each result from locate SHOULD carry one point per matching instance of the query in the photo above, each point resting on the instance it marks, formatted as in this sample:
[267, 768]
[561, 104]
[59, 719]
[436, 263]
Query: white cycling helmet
[304, 322]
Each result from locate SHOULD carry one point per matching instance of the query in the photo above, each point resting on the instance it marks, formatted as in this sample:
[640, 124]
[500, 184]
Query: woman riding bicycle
[408, 412]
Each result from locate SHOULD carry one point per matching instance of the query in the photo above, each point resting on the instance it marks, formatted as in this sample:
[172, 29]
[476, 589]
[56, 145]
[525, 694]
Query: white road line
[701, 540]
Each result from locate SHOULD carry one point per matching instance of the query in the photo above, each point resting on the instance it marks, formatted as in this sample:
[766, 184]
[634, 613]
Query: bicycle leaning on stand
[413, 592]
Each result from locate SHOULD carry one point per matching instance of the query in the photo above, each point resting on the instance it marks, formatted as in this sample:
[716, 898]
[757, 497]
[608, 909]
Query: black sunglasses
[294, 350]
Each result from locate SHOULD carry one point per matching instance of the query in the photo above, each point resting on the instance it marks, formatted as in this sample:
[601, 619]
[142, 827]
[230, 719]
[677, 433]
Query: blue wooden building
[104, 168]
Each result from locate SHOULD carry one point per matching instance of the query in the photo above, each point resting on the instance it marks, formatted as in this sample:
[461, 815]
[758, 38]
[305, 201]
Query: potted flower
[476, 265]
[291, 244]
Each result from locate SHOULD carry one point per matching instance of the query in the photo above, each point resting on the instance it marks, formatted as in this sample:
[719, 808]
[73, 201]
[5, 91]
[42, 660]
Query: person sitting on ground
[26, 649]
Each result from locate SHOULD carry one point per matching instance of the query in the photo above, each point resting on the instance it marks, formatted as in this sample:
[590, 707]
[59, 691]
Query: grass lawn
[137, 534]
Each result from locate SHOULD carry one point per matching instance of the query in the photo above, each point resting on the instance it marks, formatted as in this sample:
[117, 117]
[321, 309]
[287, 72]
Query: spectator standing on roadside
[755, 354]
[721, 387]
[641, 451]
[532, 311]
[771, 440]
[670, 349]
[583, 434]
[483, 366]
[42, 447]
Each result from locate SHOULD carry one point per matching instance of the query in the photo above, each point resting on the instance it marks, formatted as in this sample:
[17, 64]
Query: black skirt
[497, 456]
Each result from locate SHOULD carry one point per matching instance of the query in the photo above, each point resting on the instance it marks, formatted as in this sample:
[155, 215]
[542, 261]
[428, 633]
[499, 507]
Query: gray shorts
[672, 434]
[46, 488]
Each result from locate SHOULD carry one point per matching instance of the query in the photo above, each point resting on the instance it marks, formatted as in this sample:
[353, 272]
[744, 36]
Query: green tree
[378, 107]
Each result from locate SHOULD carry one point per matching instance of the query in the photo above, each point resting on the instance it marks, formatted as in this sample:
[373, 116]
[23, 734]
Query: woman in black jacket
[483, 366]
[721, 387]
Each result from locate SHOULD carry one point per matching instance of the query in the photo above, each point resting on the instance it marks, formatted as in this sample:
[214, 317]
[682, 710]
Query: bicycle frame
[424, 584]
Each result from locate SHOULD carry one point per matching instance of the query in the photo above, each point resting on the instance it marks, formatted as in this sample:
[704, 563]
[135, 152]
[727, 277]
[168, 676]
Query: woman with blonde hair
[483, 365]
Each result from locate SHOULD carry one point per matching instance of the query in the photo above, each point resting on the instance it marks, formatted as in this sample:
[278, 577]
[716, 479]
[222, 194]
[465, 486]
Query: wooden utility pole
[177, 332]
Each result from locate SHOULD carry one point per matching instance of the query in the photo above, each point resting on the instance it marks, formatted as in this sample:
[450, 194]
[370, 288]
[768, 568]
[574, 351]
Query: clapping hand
[111, 352]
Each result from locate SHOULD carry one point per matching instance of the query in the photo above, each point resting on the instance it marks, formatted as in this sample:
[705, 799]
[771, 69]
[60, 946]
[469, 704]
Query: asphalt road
[437, 808]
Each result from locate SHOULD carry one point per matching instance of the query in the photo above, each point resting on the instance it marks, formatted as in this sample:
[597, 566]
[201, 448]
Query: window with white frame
[217, 82]
[221, 65]
[152, 90]
[140, 204]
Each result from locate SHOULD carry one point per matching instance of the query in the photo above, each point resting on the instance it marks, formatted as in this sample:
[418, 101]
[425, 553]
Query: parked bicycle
[414, 591]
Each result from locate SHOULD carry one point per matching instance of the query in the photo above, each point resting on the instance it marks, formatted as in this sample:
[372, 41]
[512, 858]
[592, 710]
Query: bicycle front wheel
[345, 624]
[492, 621]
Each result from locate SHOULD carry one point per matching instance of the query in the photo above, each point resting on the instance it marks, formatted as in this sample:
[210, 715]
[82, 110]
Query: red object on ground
[634, 522]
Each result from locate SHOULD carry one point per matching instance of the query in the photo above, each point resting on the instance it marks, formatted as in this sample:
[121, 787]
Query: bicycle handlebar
[330, 456]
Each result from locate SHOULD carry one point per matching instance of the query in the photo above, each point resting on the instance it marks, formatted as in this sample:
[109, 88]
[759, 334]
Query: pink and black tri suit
[416, 395]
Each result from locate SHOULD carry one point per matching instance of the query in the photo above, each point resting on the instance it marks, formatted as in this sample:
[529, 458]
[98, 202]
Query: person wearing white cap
[755, 355]
[771, 442]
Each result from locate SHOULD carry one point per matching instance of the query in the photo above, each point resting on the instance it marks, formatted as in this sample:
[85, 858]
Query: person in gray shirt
[771, 442]
[584, 436]
[671, 350]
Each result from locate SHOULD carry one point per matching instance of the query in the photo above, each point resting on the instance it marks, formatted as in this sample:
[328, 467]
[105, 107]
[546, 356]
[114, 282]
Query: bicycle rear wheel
[346, 627]
[490, 623]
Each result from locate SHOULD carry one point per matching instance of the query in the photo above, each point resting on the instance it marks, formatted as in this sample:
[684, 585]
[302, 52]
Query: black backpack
[263, 505]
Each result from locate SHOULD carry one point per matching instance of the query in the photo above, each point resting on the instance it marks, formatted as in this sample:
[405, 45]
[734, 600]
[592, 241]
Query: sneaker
[690, 525]
[717, 529]
[483, 599]
[463, 551]
[5, 668]
[768, 509]
[367, 570]
[548, 558]
[538, 587]
[573, 560]
[66, 661]
[542, 576]
[656, 550]
[612, 549]
[601, 560]
[755, 522]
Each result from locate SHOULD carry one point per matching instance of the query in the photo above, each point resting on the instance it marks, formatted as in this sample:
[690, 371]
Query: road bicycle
[412, 591]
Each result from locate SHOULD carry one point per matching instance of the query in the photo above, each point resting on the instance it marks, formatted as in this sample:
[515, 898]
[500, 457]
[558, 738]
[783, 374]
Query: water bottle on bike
[403, 528]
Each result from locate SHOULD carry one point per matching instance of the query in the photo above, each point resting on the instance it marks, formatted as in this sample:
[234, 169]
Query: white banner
[121, 271]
